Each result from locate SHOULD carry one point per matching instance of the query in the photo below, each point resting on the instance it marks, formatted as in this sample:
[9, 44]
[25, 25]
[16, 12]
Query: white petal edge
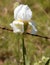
[33, 26]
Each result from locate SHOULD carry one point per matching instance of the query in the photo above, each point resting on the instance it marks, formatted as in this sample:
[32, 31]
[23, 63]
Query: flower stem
[23, 49]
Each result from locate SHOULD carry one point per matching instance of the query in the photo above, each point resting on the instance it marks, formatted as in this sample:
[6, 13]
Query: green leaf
[47, 63]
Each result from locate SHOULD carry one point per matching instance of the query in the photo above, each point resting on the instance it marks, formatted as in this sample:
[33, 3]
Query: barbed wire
[4, 28]
[38, 35]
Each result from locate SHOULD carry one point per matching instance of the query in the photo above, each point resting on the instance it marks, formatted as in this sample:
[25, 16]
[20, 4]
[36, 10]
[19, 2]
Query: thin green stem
[24, 49]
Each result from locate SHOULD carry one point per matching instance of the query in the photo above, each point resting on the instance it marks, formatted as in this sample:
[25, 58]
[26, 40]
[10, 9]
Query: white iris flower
[22, 16]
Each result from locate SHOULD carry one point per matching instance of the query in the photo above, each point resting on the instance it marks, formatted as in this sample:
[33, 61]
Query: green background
[11, 44]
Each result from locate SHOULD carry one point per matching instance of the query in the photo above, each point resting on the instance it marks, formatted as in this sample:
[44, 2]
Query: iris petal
[17, 26]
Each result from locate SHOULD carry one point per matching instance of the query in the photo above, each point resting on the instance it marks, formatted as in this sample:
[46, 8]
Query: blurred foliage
[36, 47]
[43, 61]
